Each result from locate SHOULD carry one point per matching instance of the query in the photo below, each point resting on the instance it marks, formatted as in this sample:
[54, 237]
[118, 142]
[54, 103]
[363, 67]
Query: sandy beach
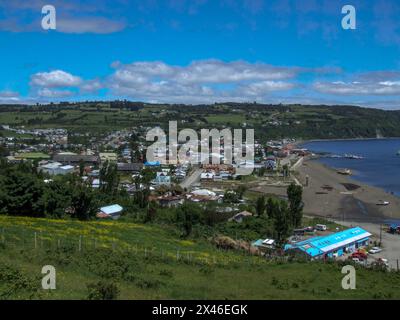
[342, 198]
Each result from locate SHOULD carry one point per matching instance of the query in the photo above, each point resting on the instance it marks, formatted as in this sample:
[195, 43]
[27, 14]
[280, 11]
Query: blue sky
[201, 51]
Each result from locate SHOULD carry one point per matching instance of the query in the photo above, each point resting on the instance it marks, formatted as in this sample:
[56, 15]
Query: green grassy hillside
[269, 121]
[151, 262]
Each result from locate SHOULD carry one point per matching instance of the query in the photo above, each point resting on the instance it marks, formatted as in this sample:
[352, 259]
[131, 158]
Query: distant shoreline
[301, 142]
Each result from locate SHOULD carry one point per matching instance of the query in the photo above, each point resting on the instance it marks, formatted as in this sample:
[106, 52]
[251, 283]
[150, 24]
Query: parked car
[359, 261]
[381, 263]
[309, 229]
[384, 261]
[321, 227]
[375, 250]
[359, 255]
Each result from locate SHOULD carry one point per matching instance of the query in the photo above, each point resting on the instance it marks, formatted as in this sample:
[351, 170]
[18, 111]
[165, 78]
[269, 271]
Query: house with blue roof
[333, 245]
[152, 164]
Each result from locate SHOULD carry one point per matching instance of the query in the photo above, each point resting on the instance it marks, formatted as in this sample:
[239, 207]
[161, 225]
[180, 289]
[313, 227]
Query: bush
[148, 283]
[102, 290]
[224, 242]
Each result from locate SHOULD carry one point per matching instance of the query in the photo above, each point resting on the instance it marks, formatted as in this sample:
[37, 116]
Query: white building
[55, 168]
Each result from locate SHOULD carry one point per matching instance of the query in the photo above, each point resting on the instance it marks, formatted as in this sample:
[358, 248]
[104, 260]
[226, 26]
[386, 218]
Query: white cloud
[55, 79]
[49, 93]
[359, 88]
[91, 86]
[98, 25]
[261, 88]
[9, 94]
[206, 71]
[200, 81]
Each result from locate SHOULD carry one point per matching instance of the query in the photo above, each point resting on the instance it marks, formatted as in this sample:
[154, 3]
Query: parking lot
[390, 243]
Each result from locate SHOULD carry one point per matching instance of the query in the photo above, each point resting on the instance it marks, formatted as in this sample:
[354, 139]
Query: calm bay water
[380, 166]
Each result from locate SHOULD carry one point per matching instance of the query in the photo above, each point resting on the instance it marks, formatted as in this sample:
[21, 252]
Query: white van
[321, 227]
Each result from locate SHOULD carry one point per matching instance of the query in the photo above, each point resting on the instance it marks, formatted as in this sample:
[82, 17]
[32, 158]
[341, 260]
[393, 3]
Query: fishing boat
[353, 156]
[382, 203]
[345, 172]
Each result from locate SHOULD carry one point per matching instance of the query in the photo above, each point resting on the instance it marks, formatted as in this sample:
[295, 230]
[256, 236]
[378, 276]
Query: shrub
[102, 290]
[148, 283]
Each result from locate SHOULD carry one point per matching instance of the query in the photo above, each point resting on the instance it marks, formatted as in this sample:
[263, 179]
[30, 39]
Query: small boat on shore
[345, 172]
[382, 203]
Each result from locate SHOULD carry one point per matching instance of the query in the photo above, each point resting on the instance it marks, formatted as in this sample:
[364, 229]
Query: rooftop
[115, 208]
[319, 245]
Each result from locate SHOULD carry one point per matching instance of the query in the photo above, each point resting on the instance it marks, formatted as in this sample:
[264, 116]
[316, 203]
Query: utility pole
[380, 235]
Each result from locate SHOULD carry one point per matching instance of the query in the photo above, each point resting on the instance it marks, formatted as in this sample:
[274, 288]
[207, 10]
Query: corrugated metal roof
[115, 208]
[319, 245]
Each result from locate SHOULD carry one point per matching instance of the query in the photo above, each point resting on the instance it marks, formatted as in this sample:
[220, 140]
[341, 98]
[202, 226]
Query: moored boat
[346, 172]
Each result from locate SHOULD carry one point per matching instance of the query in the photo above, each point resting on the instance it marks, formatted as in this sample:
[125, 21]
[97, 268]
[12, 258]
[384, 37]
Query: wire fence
[42, 242]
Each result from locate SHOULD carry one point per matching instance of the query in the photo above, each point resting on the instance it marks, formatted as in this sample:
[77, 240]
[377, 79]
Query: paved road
[192, 179]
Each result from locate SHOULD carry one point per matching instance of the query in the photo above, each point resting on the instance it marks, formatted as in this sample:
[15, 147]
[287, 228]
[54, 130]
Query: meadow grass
[144, 265]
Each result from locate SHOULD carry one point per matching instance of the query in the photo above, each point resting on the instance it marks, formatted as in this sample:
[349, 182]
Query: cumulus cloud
[54, 79]
[209, 71]
[208, 81]
[204, 80]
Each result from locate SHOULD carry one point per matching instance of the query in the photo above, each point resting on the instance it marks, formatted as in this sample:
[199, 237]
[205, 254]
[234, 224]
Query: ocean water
[380, 166]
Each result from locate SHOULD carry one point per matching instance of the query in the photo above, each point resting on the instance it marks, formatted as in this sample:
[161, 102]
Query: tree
[188, 215]
[81, 167]
[109, 179]
[83, 203]
[231, 196]
[282, 226]
[241, 190]
[294, 193]
[260, 206]
[151, 212]
[269, 208]
[22, 194]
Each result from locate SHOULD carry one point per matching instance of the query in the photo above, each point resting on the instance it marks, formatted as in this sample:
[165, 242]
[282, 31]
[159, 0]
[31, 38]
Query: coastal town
[360, 232]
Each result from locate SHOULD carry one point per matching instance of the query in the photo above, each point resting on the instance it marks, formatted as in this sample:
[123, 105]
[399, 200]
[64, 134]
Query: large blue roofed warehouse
[333, 245]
